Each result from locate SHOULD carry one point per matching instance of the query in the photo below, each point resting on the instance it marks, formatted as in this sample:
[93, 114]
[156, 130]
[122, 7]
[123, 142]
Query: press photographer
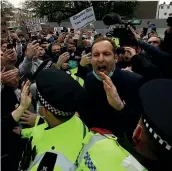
[121, 29]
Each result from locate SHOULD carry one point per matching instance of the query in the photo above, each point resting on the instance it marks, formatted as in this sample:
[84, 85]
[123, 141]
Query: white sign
[58, 29]
[33, 27]
[83, 18]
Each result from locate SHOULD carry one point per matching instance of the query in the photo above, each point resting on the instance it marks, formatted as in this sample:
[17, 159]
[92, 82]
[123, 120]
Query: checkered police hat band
[48, 65]
[156, 136]
[52, 109]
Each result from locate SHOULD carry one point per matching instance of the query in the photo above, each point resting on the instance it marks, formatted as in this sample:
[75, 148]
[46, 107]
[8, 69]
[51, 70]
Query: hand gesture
[26, 96]
[127, 69]
[32, 49]
[1, 74]
[77, 114]
[14, 36]
[63, 58]
[141, 35]
[85, 59]
[129, 53]
[28, 118]
[8, 55]
[8, 76]
[64, 66]
[61, 37]
[111, 93]
[67, 37]
[48, 36]
[136, 36]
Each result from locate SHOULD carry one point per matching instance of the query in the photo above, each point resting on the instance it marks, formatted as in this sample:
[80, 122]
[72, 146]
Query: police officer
[64, 142]
[49, 64]
[25, 133]
[153, 134]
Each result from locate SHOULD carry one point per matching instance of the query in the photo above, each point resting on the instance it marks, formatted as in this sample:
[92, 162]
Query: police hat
[156, 99]
[58, 92]
[44, 65]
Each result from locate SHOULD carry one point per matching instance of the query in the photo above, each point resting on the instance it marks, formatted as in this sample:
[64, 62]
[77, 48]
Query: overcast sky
[17, 3]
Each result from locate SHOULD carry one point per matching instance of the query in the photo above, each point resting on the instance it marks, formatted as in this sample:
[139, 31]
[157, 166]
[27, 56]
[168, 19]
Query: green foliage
[56, 11]
[6, 8]
[121, 7]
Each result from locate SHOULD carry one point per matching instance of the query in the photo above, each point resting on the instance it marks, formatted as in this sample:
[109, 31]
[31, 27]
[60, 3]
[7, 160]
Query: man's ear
[137, 134]
[44, 112]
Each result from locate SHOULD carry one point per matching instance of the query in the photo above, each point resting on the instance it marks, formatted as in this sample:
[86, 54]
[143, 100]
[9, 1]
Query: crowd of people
[86, 102]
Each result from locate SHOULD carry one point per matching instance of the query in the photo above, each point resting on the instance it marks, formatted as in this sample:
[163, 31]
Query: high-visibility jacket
[71, 146]
[73, 72]
[116, 40]
[27, 132]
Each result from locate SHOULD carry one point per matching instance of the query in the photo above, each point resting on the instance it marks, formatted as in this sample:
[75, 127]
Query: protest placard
[33, 27]
[58, 29]
[83, 18]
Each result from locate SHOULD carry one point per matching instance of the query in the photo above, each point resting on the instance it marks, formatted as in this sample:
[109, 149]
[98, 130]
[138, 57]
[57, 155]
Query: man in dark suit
[124, 117]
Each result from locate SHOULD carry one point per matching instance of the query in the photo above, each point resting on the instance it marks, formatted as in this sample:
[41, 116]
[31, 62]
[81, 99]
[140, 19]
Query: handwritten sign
[83, 18]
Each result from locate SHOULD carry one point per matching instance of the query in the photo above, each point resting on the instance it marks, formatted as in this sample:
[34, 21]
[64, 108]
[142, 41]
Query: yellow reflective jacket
[79, 149]
[73, 72]
[116, 40]
[27, 132]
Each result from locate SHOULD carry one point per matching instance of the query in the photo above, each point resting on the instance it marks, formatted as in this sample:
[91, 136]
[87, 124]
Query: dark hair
[148, 22]
[75, 41]
[51, 32]
[169, 21]
[100, 39]
[43, 40]
[56, 44]
[72, 43]
[20, 34]
[153, 32]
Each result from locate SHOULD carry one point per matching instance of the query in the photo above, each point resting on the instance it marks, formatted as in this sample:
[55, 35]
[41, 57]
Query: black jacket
[100, 114]
[142, 64]
[161, 59]
[12, 144]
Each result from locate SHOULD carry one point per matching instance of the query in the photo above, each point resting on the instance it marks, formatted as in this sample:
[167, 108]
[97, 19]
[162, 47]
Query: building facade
[147, 9]
[21, 16]
[164, 11]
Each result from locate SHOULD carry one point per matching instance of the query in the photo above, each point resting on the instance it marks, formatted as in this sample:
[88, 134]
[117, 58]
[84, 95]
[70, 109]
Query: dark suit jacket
[100, 114]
